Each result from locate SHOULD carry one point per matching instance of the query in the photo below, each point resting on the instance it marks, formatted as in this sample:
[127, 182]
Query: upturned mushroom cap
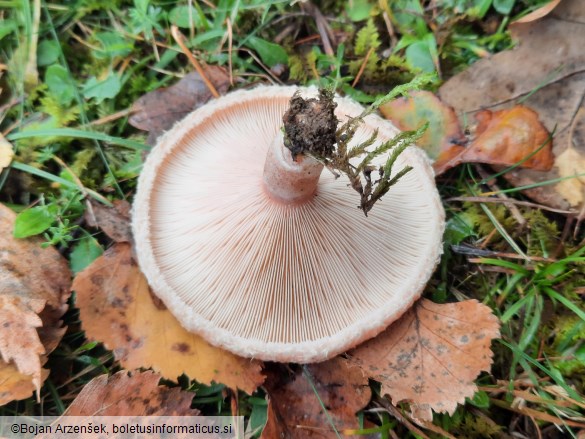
[270, 278]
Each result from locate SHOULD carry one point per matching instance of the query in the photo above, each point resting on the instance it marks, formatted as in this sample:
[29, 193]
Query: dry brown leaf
[114, 221]
[6, 152]
[136, 394]
[274, 428]
[432, 354]
[34, 288]
[539, 13]
[158, 110]
[295, 411]
[19, 341]
[571, 163]
[118, 308]
[548, 69]
[504, 138]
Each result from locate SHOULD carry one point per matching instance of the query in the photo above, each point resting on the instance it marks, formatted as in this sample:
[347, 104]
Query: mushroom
[269, 257]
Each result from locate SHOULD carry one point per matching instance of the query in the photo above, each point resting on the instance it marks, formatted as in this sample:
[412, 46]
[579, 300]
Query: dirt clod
[310, 125]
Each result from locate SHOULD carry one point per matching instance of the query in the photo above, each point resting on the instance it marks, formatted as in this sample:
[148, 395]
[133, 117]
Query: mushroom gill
[286, 281]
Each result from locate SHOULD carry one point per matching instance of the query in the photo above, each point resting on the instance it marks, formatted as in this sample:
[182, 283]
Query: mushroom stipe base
[264, 275]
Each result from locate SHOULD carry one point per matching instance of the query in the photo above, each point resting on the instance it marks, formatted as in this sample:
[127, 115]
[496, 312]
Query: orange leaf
[432, 355]
[34, 288]
[136, 394]
[544, 70]
[117, 307]
[443, 133]
[294, 408]
[504, 138]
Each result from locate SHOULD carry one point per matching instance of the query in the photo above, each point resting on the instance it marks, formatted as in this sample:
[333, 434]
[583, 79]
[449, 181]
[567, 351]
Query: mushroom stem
[286, 180]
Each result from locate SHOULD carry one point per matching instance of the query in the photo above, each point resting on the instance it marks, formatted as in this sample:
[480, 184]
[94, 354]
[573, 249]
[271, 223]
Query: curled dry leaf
[131, 394]
[158, 110]
[34, 288]
[294, 409]
[118, 308]
[539, 13]
[114, 221]
[504, 138]
[431, 356]
[547, 70]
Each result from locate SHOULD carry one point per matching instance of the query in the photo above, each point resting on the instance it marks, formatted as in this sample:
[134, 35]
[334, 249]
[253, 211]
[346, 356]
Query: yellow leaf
[571, 163]
[117, 307]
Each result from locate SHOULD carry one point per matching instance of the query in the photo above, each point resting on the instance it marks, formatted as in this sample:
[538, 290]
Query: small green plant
[330, 144]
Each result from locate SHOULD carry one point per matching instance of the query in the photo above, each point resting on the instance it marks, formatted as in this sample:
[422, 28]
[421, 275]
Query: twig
[80, 185]
[285, 32]
[390, 28]
[509, 201]
[580, 219]
[472, 251]
[399, 416]
[230, 48]
[538, 415]
[180, 39]
[322, 26]
[261, 64]
[494, 187]
[362, 67]
[111, 117]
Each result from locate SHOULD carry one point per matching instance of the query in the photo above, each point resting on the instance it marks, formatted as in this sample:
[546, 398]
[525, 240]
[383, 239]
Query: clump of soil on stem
[310, 125]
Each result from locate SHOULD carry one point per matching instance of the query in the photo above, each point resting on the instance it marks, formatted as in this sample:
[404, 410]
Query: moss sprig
[311, 128]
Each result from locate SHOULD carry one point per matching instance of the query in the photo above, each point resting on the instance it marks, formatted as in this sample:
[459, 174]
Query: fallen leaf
[6, 152]
[431, 356]
[539, 13]
[158, 110]
[114, 221]
[295, 410]
[501, 138]
[131, 394]
[34, 288]
[571, 163]
[19, 341]
[15, 385]
[547, 70]
[505, 138]
[274, 427]
[117, 307]
[443, 133]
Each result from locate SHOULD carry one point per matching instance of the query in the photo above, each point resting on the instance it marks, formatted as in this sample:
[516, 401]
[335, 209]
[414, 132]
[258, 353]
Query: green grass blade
[79, 134]
[56, 179]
